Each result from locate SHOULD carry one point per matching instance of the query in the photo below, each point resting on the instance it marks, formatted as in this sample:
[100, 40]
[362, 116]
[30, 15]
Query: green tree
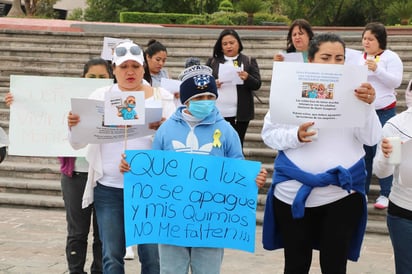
[39, 8]
[76, 14]
[400, 12]
[338, 12]
[105, 10]
[44, 8]
[226, 6]
[108, 10]
[210, 6]
[250, 7]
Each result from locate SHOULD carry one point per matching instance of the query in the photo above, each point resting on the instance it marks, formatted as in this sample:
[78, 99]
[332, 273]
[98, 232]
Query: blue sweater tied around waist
[284, 170]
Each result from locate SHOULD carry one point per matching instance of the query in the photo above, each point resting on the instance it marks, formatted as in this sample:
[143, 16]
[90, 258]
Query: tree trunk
[250, 19]
[16, 10]
[404, 22]
[30, 6]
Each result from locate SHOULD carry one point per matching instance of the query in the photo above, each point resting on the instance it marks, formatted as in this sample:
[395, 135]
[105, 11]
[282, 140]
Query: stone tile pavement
[33, 241]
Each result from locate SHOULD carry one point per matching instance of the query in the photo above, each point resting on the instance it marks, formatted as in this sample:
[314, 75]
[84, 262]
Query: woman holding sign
[235, 102]
[317, 198]
[399, 218]
[105, 181]
[385, 71]
[299, 35]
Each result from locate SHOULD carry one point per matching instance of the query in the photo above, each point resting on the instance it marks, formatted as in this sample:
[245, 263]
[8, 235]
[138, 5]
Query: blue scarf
[286, 170]
[349, 179]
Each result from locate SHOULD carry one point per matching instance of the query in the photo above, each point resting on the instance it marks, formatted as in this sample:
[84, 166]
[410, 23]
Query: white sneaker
[382, 202]
[129, 253]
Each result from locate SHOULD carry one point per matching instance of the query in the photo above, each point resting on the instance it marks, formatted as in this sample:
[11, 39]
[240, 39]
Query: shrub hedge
[217, 18]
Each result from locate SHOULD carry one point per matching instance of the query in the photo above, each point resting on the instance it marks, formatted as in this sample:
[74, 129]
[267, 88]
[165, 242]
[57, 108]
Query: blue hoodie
[212, 136]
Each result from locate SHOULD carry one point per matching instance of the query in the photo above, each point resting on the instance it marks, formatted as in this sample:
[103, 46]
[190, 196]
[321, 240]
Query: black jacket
[245, 92]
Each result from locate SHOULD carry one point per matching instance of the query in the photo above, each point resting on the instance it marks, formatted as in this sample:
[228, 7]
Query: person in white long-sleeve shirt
[317, 195]
[104, 184]
[385, 72]
[399, 217]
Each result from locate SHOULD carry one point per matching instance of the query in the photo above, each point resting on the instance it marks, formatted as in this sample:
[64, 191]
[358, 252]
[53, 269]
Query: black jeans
[78, 226]
[239, 126]
[328, 228]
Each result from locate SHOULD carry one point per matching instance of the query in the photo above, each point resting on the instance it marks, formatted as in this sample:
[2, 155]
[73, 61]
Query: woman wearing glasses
[105, 182]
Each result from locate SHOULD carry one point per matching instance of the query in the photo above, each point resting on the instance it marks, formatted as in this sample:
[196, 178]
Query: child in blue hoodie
[192, 129]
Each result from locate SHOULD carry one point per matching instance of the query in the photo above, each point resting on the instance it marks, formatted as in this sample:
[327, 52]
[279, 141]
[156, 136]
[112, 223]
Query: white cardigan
[401, 192]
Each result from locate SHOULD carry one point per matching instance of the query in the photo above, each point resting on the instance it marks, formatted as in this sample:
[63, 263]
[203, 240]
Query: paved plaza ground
[33, 241]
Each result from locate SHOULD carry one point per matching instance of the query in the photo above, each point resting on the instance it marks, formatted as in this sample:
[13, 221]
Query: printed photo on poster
[124, 108]
[316, 90]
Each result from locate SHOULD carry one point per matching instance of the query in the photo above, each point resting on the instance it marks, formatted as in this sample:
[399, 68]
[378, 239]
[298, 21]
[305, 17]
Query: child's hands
[261, 178]
[124, 165]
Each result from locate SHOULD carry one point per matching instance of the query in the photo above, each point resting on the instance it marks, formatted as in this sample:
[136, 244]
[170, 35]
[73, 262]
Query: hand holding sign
[190, 200]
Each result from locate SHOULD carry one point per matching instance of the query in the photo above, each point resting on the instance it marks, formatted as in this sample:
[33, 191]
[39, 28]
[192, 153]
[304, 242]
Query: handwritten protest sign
[190, 200]
[38, 115]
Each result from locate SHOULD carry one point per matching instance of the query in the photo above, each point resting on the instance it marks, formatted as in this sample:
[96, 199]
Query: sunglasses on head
[122, 51]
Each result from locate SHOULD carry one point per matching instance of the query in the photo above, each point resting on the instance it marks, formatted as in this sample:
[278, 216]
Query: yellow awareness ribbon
[216, 138]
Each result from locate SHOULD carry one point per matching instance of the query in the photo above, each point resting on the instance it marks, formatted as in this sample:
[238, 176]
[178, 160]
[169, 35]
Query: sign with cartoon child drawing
[124, 108]
[320, 93]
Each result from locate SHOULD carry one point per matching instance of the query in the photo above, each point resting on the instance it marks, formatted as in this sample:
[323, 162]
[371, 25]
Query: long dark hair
[217, 49]
[153, 47]
[302, 24]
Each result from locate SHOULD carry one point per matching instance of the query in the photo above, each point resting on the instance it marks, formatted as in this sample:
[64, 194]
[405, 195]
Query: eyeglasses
[122, 51]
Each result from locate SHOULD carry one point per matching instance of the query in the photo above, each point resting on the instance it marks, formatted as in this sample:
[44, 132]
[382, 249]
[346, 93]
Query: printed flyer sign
[92, 129]
[190, 200]
[320, 93]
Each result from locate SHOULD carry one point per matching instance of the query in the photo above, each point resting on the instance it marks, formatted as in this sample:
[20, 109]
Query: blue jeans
[149, 258]
[108, 203]
[400, 231]
[370, 151]
[202, 260]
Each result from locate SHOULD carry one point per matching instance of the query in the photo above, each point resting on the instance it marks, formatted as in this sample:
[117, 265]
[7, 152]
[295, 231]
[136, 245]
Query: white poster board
[38, 114]
[320, 93]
